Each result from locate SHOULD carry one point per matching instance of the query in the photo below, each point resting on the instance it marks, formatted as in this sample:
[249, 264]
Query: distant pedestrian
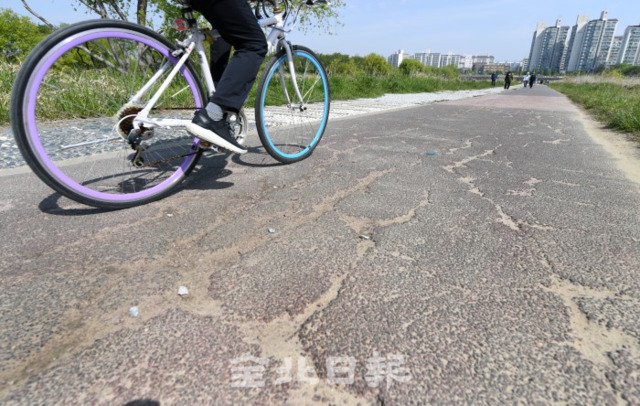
[494, 78]
[532, 80]
[525, 79]
[508, 78]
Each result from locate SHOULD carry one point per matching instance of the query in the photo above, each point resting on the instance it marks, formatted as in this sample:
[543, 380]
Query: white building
[483, 59]
[466, 62]
[614, 53]
[428, 58]
[450, 59]
[396, 59]
[590, 43]
[630, 46]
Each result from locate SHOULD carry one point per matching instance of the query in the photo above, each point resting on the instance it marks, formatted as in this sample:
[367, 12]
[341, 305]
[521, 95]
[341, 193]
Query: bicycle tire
[64, 94]
[290, 132]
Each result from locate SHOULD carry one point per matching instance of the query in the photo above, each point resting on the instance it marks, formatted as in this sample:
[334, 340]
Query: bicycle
[98, 108]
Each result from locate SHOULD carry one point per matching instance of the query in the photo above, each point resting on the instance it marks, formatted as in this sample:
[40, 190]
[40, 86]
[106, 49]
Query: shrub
[18, 35]
[411, 66]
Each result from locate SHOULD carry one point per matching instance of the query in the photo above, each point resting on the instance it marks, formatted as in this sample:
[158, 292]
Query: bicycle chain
[171, 158]
[156, 164]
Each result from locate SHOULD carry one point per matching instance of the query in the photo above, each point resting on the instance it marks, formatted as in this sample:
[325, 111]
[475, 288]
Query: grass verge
[615, 104]
[7, 74]
[343, 87]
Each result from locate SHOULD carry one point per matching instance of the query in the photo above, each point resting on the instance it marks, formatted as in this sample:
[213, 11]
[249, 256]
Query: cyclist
[237, 26]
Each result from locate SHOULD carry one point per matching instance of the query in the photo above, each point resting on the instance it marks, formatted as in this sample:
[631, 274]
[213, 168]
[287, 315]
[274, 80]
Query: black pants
[237, 25]
[220, 52]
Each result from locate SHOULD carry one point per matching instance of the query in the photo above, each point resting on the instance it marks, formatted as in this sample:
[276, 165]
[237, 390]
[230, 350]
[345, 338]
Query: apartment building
[428, 58]
[614, 53]
[549, 48]
[587, 46]
[437, 59]
[630, 46]
[450, 59]
[396, 58]
[590, 51]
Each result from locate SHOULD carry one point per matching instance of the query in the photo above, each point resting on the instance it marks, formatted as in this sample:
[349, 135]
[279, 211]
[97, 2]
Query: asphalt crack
[461, 164]
[593, 341]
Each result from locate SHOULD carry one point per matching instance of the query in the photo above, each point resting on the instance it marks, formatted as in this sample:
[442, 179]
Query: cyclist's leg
[220, 53]
[237, 25]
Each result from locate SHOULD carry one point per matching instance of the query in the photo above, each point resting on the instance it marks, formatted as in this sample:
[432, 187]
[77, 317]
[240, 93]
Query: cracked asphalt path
[484, 249]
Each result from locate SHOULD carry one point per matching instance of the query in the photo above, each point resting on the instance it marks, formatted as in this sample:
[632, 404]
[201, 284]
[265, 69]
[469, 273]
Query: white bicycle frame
[275, 41]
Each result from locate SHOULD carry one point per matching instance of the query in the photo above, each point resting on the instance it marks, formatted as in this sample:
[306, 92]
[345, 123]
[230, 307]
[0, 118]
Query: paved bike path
[478, 251]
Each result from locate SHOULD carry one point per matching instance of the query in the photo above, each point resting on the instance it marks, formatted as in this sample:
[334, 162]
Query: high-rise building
[630, 46]
[614, 53]
[466, 62]
[591, 43]
[483, 59]
[428, 58]
[536, 44]
[549, 48]
[450, 59]
[396, 59]
[576, 37]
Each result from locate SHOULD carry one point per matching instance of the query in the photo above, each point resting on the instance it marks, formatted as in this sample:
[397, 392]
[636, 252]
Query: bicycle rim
[77, 113]
[288, 129]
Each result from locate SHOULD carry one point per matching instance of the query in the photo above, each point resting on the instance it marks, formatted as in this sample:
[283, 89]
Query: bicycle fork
[294, 79]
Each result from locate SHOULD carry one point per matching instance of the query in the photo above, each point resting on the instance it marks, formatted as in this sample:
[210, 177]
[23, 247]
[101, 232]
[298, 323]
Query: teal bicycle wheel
[290, 128]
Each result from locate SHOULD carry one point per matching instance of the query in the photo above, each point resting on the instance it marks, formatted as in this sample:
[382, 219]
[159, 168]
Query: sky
[502, 28]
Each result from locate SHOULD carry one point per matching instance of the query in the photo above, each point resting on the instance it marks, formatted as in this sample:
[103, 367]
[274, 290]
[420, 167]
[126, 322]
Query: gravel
[10, 156]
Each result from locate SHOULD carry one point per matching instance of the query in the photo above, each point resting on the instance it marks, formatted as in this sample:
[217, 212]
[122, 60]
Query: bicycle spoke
[83, 116]
[305, 119]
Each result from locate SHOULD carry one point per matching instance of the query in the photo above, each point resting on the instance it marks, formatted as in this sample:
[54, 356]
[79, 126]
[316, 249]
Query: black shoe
[220, 132]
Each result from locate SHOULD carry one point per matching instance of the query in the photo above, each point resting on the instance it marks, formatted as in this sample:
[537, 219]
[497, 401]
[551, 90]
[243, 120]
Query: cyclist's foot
[219, 132]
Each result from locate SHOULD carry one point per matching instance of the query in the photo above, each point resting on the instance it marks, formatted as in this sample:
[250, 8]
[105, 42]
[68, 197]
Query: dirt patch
[626, 152]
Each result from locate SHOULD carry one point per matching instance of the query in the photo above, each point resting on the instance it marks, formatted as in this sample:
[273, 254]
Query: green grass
[613, 102]
[7, 74]
[616, 105]
[365, 86]
[343, 87]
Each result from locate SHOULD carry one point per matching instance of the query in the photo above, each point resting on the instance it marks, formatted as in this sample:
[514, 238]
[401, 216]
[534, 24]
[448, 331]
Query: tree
[339, 64]
[450, 72]
[376, 65]
[411, 67]
[629, 70]
[18, 35]
[148, 12]
[320, 18]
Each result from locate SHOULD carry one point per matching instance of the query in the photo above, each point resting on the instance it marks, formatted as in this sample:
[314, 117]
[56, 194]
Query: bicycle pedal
[207, 146]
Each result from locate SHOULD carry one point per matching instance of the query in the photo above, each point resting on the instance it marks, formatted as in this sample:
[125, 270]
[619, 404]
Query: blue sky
[502, 28]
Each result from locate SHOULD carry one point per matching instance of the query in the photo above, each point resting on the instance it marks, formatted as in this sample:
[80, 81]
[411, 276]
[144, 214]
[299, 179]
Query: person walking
[508, 78]
[525, 79]
[532, 80]
[494, 78]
